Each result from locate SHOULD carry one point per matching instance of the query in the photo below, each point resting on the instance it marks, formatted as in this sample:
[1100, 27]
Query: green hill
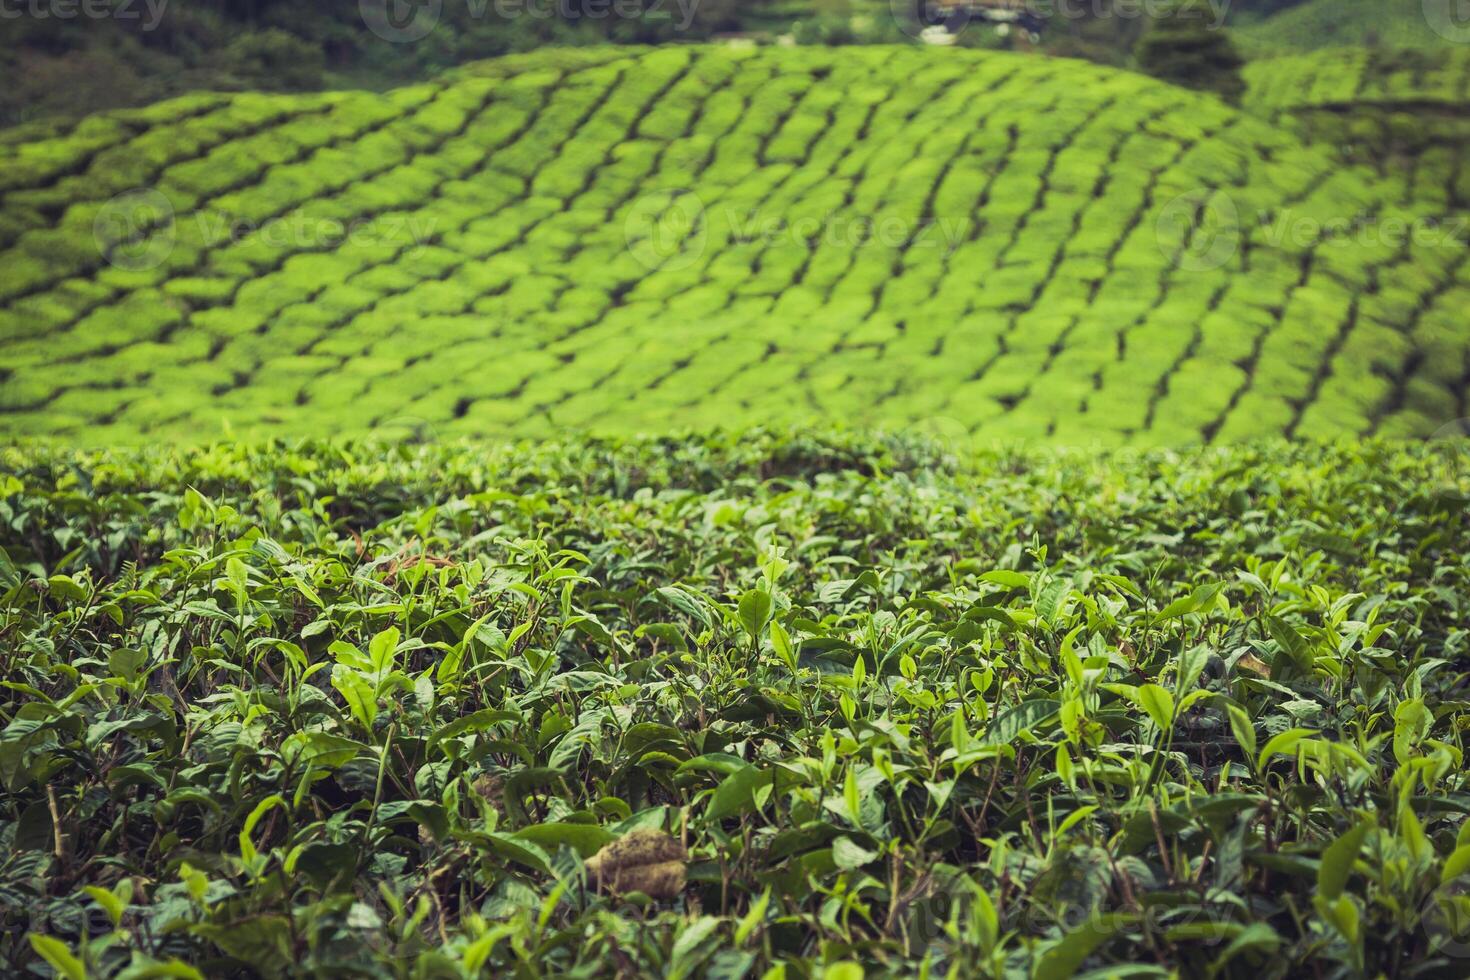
[625, 240]
[1318, 24]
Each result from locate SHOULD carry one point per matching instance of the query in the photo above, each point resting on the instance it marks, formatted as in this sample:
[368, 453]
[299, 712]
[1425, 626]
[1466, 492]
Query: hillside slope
[1397, 110]
[631, 240]
[1315, 24]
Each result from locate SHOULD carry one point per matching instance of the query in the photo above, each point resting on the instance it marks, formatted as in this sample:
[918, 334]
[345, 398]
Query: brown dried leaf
[648, 861]
[1254, 664]
[490, 788]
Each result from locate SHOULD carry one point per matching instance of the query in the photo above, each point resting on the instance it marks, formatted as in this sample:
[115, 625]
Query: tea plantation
[362, 710]
[640, 240]
[426, 548]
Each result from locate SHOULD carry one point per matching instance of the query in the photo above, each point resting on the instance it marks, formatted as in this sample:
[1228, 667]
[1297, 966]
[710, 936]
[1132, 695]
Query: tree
[1188, 45]
[1104, 31]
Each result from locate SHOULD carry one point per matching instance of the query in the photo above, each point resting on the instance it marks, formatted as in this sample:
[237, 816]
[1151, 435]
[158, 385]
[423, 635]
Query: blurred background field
[625, 239]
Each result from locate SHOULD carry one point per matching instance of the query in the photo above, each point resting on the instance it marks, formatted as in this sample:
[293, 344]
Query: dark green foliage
[368, 709]
[274, 59]
[1185, 45]
[65, 65]
[1105, 31]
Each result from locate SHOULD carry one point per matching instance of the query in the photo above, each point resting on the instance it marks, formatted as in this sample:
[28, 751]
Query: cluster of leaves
[1186, 46]
[344, 708]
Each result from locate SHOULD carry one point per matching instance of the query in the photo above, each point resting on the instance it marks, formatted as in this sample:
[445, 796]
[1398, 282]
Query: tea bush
[371, 708]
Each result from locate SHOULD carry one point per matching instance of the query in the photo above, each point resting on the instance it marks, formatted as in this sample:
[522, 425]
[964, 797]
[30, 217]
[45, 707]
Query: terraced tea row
[1402, 112]
[633, 240]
